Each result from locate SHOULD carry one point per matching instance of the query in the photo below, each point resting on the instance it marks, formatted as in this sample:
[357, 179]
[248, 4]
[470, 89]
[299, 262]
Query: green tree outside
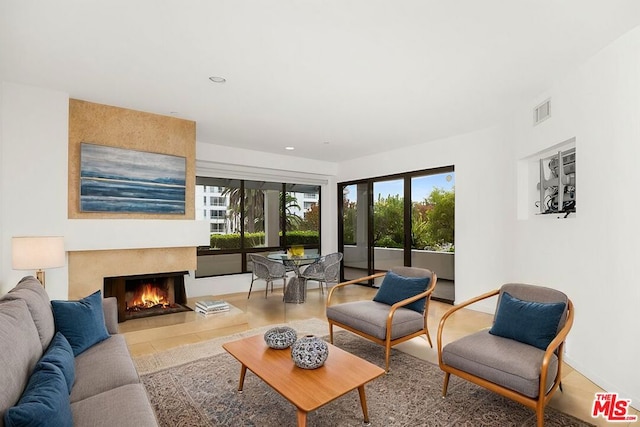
[388, 222]
[433, 221]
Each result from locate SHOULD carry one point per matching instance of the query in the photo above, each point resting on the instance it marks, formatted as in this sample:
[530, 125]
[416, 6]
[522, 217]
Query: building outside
[212, 206]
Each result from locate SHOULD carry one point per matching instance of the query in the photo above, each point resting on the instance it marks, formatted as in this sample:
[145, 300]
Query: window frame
[285, 187]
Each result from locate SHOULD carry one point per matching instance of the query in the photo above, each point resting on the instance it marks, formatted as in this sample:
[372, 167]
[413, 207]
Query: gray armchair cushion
[370, 317]
[503, 361]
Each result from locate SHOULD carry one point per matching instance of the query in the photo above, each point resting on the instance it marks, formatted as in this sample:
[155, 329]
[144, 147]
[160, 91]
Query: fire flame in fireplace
[148, 296]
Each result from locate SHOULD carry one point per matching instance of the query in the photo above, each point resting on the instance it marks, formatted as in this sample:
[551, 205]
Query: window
[217, 201]
[302, 223]
[215, 214]
[254, 216]
[217, 227]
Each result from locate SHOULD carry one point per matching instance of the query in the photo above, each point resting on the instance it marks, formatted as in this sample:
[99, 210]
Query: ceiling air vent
[542, 112]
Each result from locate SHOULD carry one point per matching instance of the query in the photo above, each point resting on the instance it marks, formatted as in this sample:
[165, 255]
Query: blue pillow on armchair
[533, 323]
[81, 322]
[395, 288]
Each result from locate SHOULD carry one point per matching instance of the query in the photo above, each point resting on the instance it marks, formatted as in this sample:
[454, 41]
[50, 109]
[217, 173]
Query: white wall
[33, 180]
[34, 174]
[2, 180]
[593, 256]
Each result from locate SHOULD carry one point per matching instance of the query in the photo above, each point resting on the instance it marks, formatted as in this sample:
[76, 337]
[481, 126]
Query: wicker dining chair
[267, 270]
[325, 269]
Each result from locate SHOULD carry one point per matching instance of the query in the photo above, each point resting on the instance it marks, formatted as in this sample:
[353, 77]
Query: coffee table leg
[302, 418]
[243, 371]
[363, 403]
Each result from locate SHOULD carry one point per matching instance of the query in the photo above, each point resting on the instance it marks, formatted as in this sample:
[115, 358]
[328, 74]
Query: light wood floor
[159, 333]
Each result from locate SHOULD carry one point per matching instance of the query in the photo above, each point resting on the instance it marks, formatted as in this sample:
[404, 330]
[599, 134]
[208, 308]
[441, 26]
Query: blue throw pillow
[44, 402]
[81, 322]
[533, 323]
[60, 354]
[396, 288]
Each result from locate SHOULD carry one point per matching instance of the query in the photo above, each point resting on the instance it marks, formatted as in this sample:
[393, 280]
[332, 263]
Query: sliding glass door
[355, 230]
[400, 220]
[388, 224]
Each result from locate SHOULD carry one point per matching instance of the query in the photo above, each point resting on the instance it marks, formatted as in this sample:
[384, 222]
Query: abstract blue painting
[120, 180]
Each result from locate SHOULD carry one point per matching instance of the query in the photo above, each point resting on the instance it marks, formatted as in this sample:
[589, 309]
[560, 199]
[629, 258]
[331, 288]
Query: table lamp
[38, 253]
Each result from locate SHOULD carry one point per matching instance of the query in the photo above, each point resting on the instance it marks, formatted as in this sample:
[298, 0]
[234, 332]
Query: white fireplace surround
[110, 234]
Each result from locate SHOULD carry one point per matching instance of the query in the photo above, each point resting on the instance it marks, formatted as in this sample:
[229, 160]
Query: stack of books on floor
[211, 307]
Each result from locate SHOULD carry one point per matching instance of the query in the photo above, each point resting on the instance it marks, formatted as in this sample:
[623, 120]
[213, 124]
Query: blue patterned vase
[309, 352]
[280, 337]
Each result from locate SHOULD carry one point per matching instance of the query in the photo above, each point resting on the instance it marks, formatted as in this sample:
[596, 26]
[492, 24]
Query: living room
[590, 255]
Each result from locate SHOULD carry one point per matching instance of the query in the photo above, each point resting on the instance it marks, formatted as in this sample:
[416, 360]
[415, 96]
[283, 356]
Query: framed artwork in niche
[120, 180]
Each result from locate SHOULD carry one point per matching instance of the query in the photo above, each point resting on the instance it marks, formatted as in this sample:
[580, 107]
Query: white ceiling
[337, 79]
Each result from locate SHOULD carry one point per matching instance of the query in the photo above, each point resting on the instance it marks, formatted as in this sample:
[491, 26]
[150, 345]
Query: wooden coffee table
[307, 389]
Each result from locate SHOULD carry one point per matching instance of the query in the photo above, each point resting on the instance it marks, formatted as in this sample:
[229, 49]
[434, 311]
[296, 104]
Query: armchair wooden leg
[540, 416]
[446, 383]
[387, 356]
[330, 333]
[429, 338]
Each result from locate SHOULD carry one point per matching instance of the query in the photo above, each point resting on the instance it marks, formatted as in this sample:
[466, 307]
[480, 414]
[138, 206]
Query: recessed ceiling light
[217, 79]
[289, 148]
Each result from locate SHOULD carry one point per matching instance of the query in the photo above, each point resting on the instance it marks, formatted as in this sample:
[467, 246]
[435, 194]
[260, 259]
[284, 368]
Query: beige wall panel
[88, 268]
[135, 130]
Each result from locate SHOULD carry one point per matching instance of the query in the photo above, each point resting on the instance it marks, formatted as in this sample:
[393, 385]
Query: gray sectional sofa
[105, 388]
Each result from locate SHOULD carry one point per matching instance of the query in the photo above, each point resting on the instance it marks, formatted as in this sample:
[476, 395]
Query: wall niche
[547, 183]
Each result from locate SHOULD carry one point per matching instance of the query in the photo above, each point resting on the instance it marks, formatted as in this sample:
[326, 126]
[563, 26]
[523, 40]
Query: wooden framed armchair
[520, 357]
[396, 314]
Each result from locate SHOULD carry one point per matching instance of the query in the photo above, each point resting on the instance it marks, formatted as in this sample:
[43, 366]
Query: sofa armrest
[110, 308]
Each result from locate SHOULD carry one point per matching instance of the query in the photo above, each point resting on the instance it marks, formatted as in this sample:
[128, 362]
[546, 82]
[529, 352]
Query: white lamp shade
[34, 253]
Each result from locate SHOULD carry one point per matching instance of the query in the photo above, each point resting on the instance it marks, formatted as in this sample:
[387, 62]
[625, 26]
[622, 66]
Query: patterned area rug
[203, 393]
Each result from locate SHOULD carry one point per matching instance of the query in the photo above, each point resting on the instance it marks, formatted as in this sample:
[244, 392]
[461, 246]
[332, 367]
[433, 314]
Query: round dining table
[296, 289]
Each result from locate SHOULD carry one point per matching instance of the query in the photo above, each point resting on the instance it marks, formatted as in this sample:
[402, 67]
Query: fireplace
[147, 295]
